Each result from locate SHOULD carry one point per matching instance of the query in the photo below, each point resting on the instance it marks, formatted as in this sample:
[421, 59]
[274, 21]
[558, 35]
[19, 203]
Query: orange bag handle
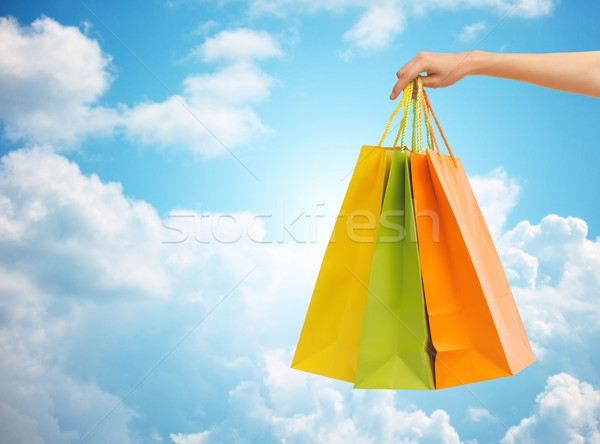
[431, 140]
[428, 105]
[420, 103]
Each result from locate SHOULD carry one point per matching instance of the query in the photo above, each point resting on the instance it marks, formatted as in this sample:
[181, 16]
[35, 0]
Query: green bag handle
[420, 104]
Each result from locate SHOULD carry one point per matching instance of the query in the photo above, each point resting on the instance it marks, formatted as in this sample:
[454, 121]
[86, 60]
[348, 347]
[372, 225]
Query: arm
[573, 72]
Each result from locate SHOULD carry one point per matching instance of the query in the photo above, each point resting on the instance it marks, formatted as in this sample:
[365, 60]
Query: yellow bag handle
[421, 102]
[405, 100]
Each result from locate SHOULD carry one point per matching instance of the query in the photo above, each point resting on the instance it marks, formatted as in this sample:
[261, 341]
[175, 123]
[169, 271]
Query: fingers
[398, 87]
[408, 72]
[430, 81]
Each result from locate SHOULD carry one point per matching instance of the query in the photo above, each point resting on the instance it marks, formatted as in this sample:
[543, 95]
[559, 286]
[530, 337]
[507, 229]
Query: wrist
[475, 62]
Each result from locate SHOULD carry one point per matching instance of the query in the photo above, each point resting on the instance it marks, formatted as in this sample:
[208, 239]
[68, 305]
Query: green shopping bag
[395, 351]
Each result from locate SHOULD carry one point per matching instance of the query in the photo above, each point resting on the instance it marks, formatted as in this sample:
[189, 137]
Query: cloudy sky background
[155, 156]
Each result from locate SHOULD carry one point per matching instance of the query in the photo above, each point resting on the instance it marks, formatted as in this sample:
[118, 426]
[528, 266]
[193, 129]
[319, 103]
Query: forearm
[576, 72]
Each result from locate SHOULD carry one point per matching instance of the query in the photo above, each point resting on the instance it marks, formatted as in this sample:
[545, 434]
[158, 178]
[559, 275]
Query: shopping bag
[431, 316]
[330, 336]
[476, 328]
[475, 325]
[394, 351]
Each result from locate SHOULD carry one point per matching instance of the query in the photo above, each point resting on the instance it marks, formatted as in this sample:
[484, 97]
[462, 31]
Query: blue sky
[101, 152]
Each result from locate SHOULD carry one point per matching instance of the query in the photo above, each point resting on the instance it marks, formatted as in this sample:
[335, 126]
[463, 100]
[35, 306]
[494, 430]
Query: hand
[573, 72]
[442, 70]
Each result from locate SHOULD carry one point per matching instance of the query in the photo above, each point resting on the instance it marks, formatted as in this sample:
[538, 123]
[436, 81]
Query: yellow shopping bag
[330, 337]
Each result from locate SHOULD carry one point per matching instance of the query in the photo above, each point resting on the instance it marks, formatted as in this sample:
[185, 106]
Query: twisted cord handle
[402, 130]
[387, 128]
[421, 102]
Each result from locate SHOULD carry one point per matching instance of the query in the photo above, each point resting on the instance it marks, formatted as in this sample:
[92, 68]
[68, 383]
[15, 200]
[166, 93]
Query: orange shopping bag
[475, 326]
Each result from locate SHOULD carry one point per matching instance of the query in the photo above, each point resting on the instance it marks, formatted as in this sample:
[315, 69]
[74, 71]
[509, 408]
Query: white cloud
[235, 84]
[382, 20]
[214, 113]
[81, 259]
[529, 8]
[315, 411]
[414, 426]
[55, 214]
[177, 123]
[542, 319]
[82, 264]
[549, 261]
[286, 387]
[470, 32]
[377, 27]
[221, 100]
[496, 195]
[477, 414]
[560, 298]
[35, 391]
[238, 45]
[553, 268]
[190, 438]
[50, 79]
[567, 411]
[379, 23]
[205, 28]
[524, 8]
[283, 8]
